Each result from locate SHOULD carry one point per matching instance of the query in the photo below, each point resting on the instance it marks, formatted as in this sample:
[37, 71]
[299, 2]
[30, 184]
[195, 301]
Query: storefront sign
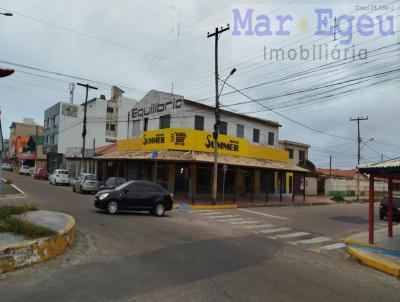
[156, 108]
[201, 141]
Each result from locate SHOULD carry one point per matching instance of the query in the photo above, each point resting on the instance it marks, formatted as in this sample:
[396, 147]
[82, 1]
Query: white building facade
[63, 126]
[160, 110]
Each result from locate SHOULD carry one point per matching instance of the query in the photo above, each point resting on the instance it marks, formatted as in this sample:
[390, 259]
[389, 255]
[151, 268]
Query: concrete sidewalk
[383, 255]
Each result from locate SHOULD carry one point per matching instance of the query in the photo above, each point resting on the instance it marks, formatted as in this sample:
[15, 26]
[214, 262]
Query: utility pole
[382, 157]
[87, 86]
[359, 140]
[216, 34]
[330, 166]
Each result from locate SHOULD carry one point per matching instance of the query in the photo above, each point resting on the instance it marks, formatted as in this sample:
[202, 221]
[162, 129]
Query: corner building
[170, 140]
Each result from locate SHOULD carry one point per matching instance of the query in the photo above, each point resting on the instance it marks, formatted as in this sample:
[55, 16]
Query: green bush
[6, 211]
[338, 198]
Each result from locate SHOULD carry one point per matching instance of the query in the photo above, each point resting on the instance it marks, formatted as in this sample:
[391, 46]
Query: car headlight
[103, 196]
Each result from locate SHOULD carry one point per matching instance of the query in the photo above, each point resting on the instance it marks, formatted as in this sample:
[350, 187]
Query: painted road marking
[207, 213]
[333, 246]
[231, 220]
[293, 235]
[263, 214]
[245, 222]
[223, 216]
[314, 240]
[277, 230]
[259, 226]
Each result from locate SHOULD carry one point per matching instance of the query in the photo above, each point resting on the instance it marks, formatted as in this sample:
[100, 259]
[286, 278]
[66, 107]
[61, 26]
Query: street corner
[383, 255]
[20, 251]
[10, 191]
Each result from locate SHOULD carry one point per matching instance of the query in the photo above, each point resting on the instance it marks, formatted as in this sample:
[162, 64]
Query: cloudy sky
[142, 45]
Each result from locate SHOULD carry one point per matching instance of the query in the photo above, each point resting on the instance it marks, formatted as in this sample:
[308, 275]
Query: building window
[145, 124]
[223, 127]
[110, 109]
[239, 130]
[110, 127]
[199, 122]
[56, 120]
[271, 138]
[256, 135]
[302, 155]
[136, 128]
[290, 153]
[165, 121]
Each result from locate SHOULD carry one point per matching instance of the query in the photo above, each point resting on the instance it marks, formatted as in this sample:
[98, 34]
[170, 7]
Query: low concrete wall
[14, 256]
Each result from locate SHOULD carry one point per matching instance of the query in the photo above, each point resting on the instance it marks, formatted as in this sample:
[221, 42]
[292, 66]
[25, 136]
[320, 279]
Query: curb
[29, 252]
[19, 195]
[377, 264]
[214, 207]
[350, 241]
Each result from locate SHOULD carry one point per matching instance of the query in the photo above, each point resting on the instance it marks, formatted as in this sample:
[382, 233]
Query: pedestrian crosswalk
[301, 238]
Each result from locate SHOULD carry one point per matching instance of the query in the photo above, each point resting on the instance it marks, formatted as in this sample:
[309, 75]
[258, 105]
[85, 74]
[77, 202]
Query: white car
[59, 177]
[24, 170]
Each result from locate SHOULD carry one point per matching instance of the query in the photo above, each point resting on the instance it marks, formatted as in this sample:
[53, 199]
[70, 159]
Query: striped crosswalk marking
[338, 245]
[231, 220]
[277, 230]
[293, 235]
[219, 217]
[210, 213]
[314, 240]
[259, 226]
[245, 222]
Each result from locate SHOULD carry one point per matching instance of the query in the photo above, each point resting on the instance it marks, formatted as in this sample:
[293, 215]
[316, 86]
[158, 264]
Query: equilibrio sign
[157, 108]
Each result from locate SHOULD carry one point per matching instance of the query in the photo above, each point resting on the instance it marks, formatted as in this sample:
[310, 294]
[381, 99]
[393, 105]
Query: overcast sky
[143, 45]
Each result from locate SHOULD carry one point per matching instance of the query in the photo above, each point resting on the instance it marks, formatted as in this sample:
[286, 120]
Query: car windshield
[120, 187]
[90, 177]
[25, 167]
[43, 171]
[62, 172]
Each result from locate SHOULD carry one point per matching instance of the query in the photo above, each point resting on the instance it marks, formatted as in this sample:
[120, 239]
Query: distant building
[297, 151]
[20, 133]
[63, 126]
[32, 154]
[344, 182]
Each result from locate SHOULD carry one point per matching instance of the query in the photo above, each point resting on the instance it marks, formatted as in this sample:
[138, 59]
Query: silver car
[85, 183]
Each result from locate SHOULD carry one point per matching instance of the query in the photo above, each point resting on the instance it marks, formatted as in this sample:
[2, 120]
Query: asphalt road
[192, 257]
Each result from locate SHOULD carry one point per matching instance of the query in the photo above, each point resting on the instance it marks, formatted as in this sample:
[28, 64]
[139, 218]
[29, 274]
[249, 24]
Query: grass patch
[10, 223]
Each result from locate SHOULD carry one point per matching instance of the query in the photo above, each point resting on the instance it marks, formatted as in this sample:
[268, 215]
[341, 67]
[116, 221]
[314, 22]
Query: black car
[112, 183]
[383, 208]
[136, 196]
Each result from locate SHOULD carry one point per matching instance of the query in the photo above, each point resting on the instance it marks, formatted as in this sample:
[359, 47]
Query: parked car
[41, 174]
[6, 166]
[112, 183]
[383, 208]
[24, 170]
[136, 196]
[85, 183]
[59, 177]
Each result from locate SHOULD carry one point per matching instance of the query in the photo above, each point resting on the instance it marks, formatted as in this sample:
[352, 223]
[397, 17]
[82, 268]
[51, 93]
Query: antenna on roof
[172, 88]
[71, 92]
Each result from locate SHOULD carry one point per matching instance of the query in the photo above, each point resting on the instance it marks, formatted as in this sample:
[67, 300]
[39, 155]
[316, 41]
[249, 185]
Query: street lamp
[7, 14]
[215, 136]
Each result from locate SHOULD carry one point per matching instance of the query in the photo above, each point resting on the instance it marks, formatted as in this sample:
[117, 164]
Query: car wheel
[112, 207]
[73, 188]
[159, 210]
[381, 216]
[81, 190]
